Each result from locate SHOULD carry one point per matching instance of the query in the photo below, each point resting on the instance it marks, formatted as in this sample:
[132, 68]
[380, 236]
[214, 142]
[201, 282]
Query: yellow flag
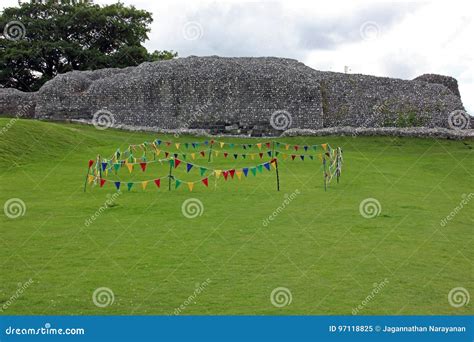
[144, 184]
[284, 156]
[106, 172]
[190, 186]
[274, 164]
[193, 155]
[239, 174]
[324, 146]
[217, 173]
[287, 147]
[320, 156]
[130, 167]
[222, 144]
[216, 153]
[158, 152]
[252, 156]
[259, 145]
[177, 145]
[91, 179]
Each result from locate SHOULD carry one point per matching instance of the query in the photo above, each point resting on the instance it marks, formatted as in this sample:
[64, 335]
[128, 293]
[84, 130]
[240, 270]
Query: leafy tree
[43, 39]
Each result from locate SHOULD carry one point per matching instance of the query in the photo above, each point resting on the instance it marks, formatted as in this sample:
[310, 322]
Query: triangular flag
[194, 145]
[287, 146]
[225, 154]
[117, 185]
[188, 167]
[261, 155]
[90, 179]
[239, 174]
[158, 152]
[305, 148]
[166, 154]
[284, 156]
[202, 170]
[235, 156]
[177, 183]
[144, 184]
[183, 155]
[246, 171]
[269, 153]
[260, 168]
[231, 145]
[157, 182]
[254, 170]
[158, 142]
[296, 147]
[130, 167]
[177, 145]
[202, 153]
[293, 157]
[268, 144]
[129, 186]
[175, 155]
[186, 145]
[226, 174]
[274, 163]
[252, 156]
[104, 166]
[244, 156]
[267, 166]
[205, 182]
[232, 172]
[217, 173]
[168, 143]
[102, 182]
[259, 145]
[190, 186]
[324, 146]
[222, 144]
[193, 156]
[176, 163]
[302, 157]
[143, 166]
[91, 162]
[311, 157]
[116, 166]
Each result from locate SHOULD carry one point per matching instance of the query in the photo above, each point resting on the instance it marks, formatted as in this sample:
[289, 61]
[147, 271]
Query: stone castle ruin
[239, 95]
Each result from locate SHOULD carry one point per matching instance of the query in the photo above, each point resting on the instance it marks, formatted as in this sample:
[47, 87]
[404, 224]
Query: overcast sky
[395, 39]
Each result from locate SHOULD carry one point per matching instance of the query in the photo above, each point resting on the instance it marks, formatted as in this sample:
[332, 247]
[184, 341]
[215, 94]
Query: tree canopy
[43, 39]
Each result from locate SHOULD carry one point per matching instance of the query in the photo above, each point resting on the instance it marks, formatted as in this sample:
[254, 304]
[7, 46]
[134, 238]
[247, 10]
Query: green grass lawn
[319, 246]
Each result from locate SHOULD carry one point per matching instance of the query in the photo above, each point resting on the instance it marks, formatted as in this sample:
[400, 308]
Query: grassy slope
[319, 247]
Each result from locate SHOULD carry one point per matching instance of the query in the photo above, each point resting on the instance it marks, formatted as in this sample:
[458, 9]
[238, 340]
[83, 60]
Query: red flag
[166, 154]
[202, 153]
[232, 172]
[268, 144]
[226, 174]
[296, 147]
[143, 166]
[91, 162]
[293, 157]
[168, 143]
[176, 163]
[102, 182]
[205, 182]
[261, 155]
[157, 182]
[225, 154]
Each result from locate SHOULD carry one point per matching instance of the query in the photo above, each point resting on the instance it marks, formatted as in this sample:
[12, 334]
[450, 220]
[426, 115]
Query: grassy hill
[154, 259]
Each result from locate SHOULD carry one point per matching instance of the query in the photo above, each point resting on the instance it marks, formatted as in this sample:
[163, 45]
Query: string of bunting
[175, 163]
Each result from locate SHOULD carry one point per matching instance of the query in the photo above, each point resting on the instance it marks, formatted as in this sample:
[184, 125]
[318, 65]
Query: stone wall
[240, 95]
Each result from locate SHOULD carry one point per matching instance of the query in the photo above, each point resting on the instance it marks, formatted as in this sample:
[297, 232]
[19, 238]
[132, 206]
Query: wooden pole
[170, 175]
[325, 174]
[210, 152]
[87, 176]
[277, 174]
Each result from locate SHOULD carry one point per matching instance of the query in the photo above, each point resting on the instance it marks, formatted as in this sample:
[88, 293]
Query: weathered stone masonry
[240, 94]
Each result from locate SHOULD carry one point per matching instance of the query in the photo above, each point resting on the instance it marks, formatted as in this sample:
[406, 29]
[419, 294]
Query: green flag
[260, 168]
[254, 170]
[202, 170]
[177, 183]
[129, 185]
